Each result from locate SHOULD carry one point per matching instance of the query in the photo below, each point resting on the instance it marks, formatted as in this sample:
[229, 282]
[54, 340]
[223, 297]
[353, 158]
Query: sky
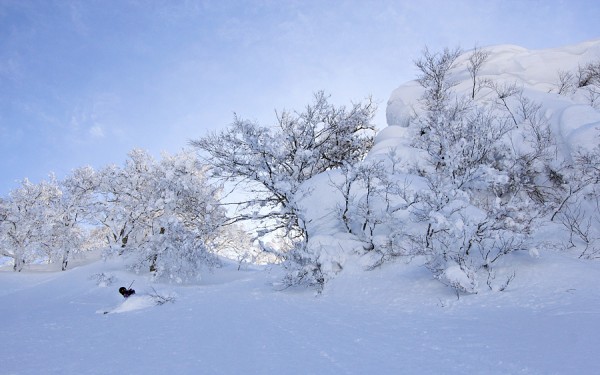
[84, 82]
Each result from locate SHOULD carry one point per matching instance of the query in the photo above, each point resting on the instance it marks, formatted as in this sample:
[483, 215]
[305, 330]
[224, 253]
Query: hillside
[383, 307]
[394, 320]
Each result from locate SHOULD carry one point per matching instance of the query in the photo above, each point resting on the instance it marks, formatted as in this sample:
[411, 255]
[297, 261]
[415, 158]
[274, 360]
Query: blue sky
[84, 82]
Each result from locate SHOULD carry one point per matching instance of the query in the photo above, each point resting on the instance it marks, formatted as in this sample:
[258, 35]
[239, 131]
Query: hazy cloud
[96, 131]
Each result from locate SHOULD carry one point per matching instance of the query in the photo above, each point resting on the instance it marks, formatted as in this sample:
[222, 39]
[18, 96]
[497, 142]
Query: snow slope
[394, 320]
[390, 321]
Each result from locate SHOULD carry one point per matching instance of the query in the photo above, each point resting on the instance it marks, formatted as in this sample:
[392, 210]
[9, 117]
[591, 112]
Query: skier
[126, 292]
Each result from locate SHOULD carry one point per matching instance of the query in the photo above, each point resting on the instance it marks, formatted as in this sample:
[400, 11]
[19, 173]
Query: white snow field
[396, 319]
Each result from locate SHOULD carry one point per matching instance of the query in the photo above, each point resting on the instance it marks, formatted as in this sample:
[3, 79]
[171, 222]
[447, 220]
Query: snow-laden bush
[487, 171]
[315, 262]
[579, 209]
[395, 214]
[376, 199]
[485, 175]
[463, 242]
[303, 267]
[582, 83]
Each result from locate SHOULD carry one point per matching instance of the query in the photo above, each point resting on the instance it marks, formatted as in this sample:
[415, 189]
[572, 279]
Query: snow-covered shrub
[376, 197]
[162, 298]
[585, 81]
[479, 191]
[462, 242]
[487, 171]
[588, 74]
[303, 267]
[579, 210]
[581, 221]
[314, 263]
[360, 216]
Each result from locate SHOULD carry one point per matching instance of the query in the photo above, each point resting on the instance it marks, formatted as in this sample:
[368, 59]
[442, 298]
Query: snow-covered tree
[28, 220]
[273, 162]
[45, 221]
[164, 214]
[122, 206]
[73, 225]
[185, 230]
[4, 229]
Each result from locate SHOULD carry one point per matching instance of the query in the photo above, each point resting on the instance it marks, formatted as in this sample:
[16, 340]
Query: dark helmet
[122, 290]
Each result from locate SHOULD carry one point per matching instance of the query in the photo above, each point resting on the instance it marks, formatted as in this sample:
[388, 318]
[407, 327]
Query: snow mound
[572, 117]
